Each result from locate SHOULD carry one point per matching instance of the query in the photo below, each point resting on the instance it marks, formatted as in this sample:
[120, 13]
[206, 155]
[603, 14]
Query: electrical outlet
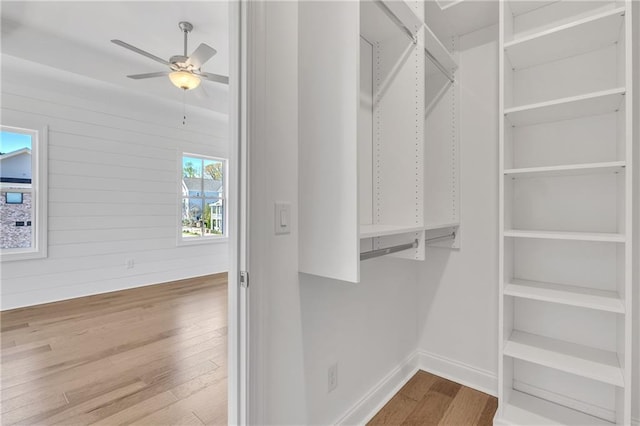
[129, 263]
[332, 377]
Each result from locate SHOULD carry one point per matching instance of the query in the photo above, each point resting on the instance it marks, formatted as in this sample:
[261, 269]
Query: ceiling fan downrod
[186, 28]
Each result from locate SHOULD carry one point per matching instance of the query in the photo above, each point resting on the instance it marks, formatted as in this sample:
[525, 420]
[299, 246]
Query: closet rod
[439, 65]
[451, 236]
[382, 252]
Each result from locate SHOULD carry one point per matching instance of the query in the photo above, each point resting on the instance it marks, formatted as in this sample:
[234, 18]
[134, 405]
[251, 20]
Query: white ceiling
[75, 36]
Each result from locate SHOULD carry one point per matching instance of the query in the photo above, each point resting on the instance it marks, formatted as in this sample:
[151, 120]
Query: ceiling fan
[184, 71]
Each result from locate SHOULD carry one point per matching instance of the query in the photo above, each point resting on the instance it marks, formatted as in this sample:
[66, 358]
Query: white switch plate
[282, 218]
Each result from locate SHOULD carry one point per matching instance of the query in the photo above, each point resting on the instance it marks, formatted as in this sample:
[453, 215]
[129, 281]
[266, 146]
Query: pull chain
[184, 108]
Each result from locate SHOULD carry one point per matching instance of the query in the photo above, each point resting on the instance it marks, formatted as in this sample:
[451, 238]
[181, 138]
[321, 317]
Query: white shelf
[601, 300]
[595, 364]
[567, 170]
[566, 40]
[526, 410]
[455, 18]
[522, 7]
[370, 231]
[436, 226]
[384, 20]
[574, 236]
[566, 108]
[439, 52]
[403, 13]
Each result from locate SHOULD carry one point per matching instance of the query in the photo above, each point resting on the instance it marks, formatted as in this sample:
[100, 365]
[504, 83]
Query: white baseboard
[385, 389]
[635, 422]
[380, 394]
[467, 375]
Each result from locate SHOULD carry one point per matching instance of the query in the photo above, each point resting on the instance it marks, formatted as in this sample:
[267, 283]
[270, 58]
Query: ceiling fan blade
[149, 75]
[214, 77]
[140, 51]
[201, 55]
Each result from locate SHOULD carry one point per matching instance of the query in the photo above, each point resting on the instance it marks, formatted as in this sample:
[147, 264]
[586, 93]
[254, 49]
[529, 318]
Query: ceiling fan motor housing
[179, 63]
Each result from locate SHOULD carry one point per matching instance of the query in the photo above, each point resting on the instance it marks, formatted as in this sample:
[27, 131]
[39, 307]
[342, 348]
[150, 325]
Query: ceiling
[75, 36]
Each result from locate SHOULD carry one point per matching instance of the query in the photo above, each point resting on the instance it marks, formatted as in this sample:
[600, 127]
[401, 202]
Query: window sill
[22, 255]
[201, 240]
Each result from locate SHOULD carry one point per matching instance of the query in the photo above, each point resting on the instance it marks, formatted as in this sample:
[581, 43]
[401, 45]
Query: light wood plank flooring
[154, 355]
[431, 400]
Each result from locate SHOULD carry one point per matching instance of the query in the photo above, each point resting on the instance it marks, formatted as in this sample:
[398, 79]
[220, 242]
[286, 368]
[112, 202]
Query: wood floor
[154, 355]
[431, 400]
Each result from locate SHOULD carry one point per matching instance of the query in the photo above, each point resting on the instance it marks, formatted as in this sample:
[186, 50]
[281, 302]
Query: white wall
[458, 290]
[113, 182]
[307, 323]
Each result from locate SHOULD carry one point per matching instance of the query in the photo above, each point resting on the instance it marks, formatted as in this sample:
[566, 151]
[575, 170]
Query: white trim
[180, 240]
[39, 190]
[373, 401]
[635, 422]
[459, 372]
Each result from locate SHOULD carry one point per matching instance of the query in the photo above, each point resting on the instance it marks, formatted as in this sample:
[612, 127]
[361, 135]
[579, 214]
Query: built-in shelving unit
[566, 192]
[363, 143]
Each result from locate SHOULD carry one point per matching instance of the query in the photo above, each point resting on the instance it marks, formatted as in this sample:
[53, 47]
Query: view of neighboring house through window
[203, 194]
[19, 197]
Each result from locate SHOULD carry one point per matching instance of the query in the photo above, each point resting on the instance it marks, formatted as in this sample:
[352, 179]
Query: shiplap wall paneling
[113, 187]
[565, 212]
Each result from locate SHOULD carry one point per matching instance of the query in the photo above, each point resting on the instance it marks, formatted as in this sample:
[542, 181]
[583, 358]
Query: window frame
[203, 239]
[39, 196]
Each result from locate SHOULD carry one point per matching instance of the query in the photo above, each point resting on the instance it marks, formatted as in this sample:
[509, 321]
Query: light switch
[283, 218]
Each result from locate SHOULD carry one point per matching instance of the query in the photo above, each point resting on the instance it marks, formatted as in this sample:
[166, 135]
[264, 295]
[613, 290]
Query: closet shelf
[524, 409]
[572, 236]
[566, 108]
[567, 170]
[434, 47]
[401, 13]
[522, 7]
[595, 364]
[436, 226]
[580, 36]
[370, 231]
[601, 300]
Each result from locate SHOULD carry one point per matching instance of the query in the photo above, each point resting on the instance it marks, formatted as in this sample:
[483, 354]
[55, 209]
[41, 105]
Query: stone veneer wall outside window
[11, 235]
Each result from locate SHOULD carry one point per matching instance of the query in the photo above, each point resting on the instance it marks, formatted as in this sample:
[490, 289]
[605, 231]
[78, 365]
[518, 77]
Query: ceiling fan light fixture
[184, 80]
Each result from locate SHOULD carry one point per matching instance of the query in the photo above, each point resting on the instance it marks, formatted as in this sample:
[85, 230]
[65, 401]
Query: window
[23, 198]
[202, 198]
[14, 197]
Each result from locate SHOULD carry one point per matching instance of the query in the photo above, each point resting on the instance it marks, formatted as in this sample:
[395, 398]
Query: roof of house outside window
[210, 185]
